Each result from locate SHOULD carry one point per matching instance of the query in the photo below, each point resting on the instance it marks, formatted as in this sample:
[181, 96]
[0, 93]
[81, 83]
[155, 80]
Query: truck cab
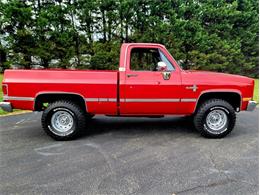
[150, 80]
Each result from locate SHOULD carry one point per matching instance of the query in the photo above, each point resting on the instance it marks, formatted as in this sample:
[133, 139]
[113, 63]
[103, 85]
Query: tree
[219, 35]
[3, 50]
[17, 22]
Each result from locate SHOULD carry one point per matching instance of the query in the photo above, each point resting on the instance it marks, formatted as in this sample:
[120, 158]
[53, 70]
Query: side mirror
[161, 66]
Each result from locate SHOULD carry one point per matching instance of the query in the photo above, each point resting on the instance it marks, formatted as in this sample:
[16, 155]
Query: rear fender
[52, 93]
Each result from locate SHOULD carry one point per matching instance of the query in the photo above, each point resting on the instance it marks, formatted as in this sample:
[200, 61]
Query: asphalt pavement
[128, 156]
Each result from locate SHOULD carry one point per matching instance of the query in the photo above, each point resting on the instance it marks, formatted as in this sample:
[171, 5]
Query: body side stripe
[129, 100]
[18, 98]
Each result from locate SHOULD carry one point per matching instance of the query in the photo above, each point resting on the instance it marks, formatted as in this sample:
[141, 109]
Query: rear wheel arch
[232, 97]
[48, 97]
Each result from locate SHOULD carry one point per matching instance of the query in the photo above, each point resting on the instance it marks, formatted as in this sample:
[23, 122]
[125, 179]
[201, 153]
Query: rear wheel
[215, 118]
[63, 120]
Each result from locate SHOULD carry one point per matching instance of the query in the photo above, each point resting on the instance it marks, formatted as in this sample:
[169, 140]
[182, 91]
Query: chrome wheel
[216, 119]
[62, 123]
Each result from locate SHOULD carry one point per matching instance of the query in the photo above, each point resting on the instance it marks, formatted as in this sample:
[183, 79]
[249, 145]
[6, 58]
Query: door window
[143, 59]
[170, 67]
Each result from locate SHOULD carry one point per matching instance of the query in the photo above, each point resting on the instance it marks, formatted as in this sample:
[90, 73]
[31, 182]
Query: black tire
[89, 116]
[73, 112]
[202, 124]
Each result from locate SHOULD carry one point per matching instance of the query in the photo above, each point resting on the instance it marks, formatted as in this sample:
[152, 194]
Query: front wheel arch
[233, 98]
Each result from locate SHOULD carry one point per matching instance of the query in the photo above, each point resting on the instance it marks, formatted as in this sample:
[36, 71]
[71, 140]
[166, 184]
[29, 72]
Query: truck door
[145, 89]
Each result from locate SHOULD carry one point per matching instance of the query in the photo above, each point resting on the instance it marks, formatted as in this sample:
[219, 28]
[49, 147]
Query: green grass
[256, 93]
[1, 95]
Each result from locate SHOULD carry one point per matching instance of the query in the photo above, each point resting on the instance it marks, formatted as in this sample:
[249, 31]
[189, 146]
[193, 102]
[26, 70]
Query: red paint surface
[146, 85]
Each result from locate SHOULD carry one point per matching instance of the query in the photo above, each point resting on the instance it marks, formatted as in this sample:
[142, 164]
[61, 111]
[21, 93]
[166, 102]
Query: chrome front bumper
[6, 106]
[251, 105]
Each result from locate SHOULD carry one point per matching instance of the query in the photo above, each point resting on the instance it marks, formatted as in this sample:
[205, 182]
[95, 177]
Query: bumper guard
[6, 106]
[251, 105]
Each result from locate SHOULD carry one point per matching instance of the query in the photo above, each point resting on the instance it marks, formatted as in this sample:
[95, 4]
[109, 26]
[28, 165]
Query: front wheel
[63, 120]
[215, 118]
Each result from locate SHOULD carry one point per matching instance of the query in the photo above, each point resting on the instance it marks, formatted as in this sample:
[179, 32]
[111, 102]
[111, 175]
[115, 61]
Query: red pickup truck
[148, 82]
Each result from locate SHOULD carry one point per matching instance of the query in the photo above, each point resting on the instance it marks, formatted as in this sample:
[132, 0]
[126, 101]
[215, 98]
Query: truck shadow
[130, 126]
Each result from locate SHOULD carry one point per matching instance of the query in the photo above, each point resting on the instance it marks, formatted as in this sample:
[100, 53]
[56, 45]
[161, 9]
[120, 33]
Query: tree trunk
[109, 31]
[45, 63]
[2, 58]
[121, 27]
[39, 4]
[28, 61]
[77, 50]
[89, 30]
[104, 25]
[126, 32]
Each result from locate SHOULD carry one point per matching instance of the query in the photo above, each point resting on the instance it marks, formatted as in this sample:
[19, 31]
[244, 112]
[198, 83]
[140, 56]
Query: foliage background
[218, 35]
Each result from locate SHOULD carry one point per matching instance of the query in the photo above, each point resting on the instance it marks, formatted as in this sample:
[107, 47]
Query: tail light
[5, 89]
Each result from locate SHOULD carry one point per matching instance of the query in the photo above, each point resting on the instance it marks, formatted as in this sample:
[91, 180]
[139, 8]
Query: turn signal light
[247, 99]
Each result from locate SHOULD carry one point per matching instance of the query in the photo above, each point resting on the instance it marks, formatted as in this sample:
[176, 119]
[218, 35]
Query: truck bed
[91, 85]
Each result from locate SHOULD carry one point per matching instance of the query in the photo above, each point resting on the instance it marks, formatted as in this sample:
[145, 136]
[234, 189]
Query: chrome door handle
[132, 75]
